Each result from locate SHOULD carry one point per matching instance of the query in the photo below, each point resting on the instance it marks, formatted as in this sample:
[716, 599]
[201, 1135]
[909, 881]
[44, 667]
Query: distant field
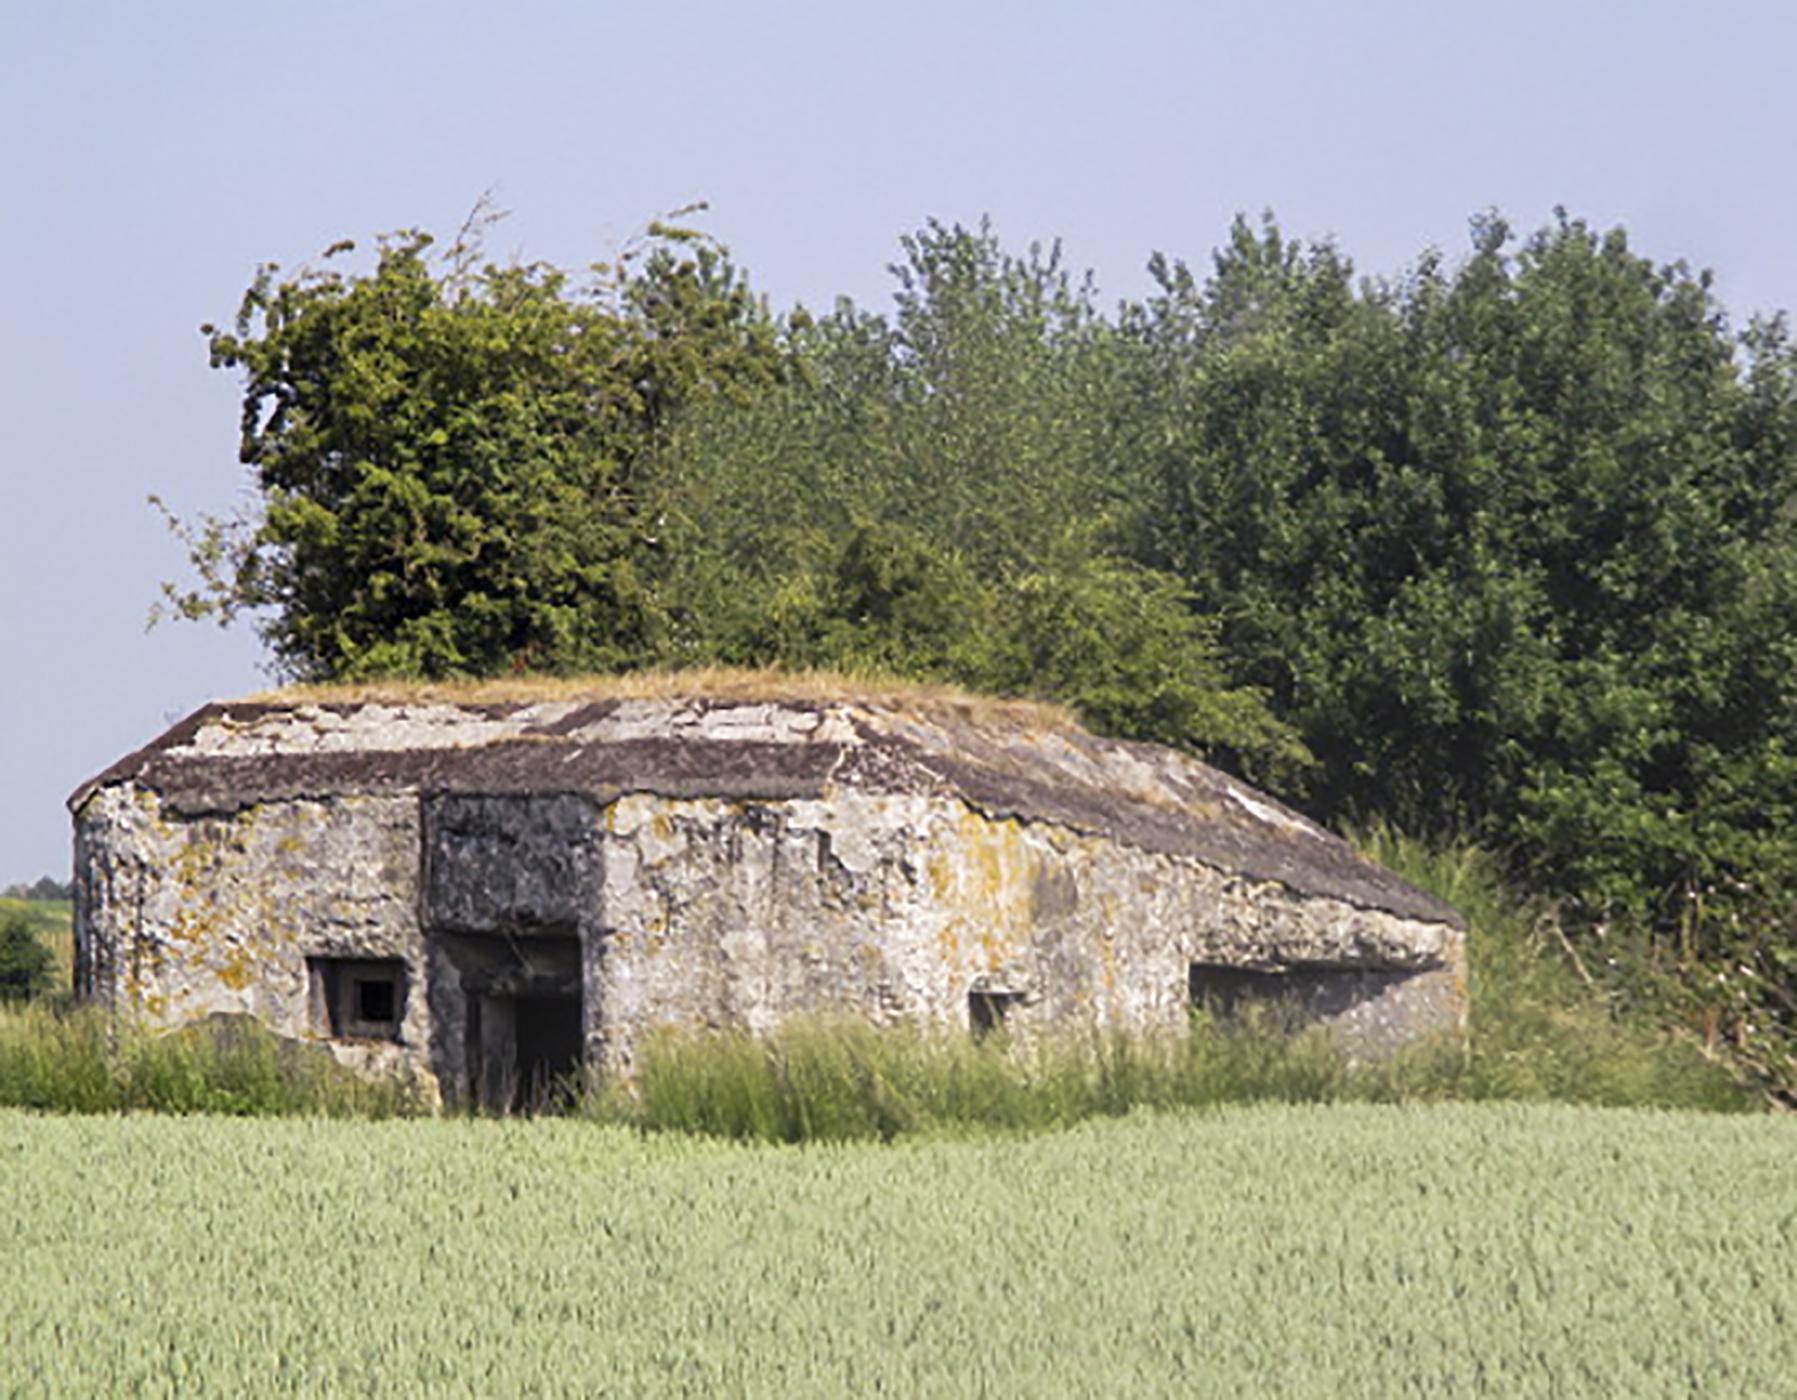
[1357, 1250]
[51, 921]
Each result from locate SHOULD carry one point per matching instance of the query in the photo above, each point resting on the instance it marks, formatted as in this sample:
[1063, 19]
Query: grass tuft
[771, 684]
[79, 1060]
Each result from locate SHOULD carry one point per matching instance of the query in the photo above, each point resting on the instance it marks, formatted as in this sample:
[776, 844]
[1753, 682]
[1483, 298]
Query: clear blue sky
[153, 154]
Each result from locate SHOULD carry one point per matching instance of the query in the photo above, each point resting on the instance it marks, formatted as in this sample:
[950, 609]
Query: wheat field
[1346, 1250]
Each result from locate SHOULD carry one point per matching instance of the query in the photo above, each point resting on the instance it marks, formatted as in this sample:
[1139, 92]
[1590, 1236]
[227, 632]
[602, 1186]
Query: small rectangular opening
[987, 1011]
[358, 998]
[1232, 995]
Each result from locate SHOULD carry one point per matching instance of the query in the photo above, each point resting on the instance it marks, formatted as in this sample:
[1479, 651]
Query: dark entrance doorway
[523, 1020]
[549, 1041]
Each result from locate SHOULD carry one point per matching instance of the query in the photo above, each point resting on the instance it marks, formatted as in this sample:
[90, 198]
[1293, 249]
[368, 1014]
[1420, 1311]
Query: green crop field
[1359, 1250]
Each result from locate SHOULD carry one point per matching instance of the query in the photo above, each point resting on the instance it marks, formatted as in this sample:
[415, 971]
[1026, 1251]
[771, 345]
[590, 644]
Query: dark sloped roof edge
[134, 762]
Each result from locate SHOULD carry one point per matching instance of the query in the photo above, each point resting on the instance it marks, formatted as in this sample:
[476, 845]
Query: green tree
[939, 495]
[27, 967]
[1511, 546]
[447, 454]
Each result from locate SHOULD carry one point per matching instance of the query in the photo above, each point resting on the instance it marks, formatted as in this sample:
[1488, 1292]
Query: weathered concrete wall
[703, 913]
[897, 907]
[182, 918]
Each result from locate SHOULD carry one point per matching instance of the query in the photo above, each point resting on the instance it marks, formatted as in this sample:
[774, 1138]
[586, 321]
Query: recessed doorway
[523, 1019]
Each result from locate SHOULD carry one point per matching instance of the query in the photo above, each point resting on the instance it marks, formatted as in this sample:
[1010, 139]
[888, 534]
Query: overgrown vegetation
[37, 943]
[80, 1060]
[1350, 1250]
[1502, 550]
[1541, 1027]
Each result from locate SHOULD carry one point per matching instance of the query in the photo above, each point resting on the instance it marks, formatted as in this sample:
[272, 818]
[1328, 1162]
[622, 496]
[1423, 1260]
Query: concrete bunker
[494, 894]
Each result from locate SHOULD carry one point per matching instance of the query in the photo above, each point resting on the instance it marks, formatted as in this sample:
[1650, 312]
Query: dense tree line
[1511, 545]
[1499, 550]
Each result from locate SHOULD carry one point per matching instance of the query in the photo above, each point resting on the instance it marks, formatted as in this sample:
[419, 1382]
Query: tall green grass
[81, 1060]
[841, 1080]
[1537, 1032]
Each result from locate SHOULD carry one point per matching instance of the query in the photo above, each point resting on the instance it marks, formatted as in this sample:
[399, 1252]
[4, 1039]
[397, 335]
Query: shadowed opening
[986, 1011]
[357, 998]
[522, 1015]
[1293, 997]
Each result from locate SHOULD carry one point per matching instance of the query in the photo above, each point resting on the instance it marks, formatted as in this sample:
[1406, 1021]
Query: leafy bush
[443, 453]
[27, 967]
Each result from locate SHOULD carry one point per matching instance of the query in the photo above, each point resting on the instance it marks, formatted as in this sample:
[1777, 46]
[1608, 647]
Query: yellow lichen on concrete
[238, 969]
[984, 879]
[188, 926]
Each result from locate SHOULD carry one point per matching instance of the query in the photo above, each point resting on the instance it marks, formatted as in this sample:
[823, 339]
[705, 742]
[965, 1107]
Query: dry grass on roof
[706, 682]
